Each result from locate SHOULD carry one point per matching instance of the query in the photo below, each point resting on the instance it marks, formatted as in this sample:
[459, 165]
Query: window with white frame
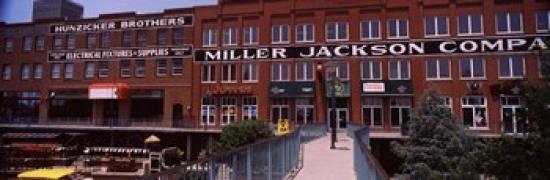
[438, 69]
[279, 71]
[370, 29]
[250, 108]
[342, 71]
[447, 102]
[161, 67]
[337, 31]
[470, 24]
[177, 66]
[27, 43]
[435, 26]
[208, 111]
[229, 36]
[305, 33]
[105, 39]
[71, 41]
[305, 110]
[91, 40]
[400, 109]
[140, 68]
[474, 112]
[472, 68]
[162, 37]
[39, 43]
[372, 111]
[543, 21]
[69, 70]
[103, 69]
[513, 115]
[304, 71]
[55, 71]
[251, 35]
[280, 34]
[509, 22]
[57, 43]
[178, 36]
[25, 71]
[8, 45]
[250, 72]
[209, 37]
[90, 70]
[398, 28]
[229, 110]
[125, 68]
[142, 37]
[6, 72]
[371, 70]
[229, 73]
[511, 67]
[38, 71]
[399, 70]
[208, 73]
[127, 38]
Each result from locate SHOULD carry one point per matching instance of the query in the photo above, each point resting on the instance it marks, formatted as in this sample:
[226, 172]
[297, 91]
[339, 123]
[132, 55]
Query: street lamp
[331, 70]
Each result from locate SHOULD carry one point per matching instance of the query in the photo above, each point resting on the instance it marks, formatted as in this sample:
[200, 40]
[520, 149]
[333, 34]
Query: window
[438, 69]
[140, 68]
[91, 40]
[90, 70]
[472, 68]
[447, 102]
[513, 115]
[39, 43]
[71, 41]
[38, 71]
[69, 70]
[229, 36]
[372, 111]
[229, 73]
[474, 112]
[399, 70]
[305, 110]
[6, 72]
[304, 33]
[105, 39]
[337, 31]
[178, 36]
[371, 70]
[304, 71]
[470, 24]
[126, 38]
[27, 44]
[279, 110]
[25, 71]
[370, 29]
[208, 111]
[279, 71]
[400, 109]
[250, 72]
[342, 71]
[436, 26]
[280, 34]
[8, 45]
[142, 37]
[509, 22]
[177, 66]
[162, 37]
[209, 37]
[229, 110]
[398, 28]
[161, 67]
[208, 73]
[511, 67]
[56, 70]
[125, 68]
[103, 69]
[251, 35]
[543, 21]
[250, 108]
[57, 43]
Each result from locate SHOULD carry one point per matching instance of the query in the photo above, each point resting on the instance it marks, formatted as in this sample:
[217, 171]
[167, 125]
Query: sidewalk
[321, 162]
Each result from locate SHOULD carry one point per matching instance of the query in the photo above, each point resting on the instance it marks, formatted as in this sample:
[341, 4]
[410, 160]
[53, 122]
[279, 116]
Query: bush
[240, 133]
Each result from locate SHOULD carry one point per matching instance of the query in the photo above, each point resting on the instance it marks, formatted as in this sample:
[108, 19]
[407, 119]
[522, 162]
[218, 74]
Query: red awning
[108, 91]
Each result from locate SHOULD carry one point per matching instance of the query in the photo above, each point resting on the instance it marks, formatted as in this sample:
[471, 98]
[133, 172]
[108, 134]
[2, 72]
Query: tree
[436, 148]
[240, 133]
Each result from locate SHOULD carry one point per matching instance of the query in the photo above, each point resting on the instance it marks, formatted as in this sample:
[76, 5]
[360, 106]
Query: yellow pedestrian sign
[282, 127]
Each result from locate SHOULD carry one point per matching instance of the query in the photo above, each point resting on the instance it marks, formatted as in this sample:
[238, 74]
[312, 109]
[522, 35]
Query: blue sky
[13, 11]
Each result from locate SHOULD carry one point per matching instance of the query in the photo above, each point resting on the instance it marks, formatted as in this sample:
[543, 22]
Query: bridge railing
[367, 167]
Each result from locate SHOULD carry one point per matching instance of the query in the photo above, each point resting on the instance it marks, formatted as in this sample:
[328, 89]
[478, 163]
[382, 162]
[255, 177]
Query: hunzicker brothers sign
[409, 48]
[185, 20]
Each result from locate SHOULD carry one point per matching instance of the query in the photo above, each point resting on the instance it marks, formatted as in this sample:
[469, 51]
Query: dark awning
[30, 135]
[387, 88]
[292, 89]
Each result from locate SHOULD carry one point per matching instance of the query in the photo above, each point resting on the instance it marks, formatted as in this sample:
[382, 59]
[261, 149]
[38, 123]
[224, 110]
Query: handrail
[365, 151]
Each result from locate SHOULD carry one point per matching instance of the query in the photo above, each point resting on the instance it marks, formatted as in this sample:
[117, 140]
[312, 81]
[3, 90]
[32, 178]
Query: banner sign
[185, 20]
[408, 48]
[130, 53]
[374, 87]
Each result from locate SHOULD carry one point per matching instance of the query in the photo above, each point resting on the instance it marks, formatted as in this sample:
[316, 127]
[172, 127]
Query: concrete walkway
[321, 162]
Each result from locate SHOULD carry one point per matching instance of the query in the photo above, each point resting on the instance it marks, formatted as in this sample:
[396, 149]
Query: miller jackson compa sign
[375, 49]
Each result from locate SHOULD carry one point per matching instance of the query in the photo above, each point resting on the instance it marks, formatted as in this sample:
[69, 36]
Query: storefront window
[305, 111]
[250, 108]
[474, 112]
[400, 108]
[279, 109]
[208, 111]
[513, 115]
[19, 107]
[372, 111]
[229, 110]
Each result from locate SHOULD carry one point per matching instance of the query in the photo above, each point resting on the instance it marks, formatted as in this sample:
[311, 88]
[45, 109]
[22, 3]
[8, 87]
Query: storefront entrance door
[342, 117]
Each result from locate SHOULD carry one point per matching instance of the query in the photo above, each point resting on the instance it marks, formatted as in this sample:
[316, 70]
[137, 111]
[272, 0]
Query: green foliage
[240, 133]
[172, 156]
[437, 148]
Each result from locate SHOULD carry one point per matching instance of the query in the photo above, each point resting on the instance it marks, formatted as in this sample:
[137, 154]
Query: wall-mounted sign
[374, 87]
[145, 52]
[230, 90]
[413, 47]
[185, 20]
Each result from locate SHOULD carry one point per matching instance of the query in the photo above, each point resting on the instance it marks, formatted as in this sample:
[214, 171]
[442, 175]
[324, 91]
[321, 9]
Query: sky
[14, 11]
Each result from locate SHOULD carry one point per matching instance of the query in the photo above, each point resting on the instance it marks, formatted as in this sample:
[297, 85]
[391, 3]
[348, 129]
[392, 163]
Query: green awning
[291, 89]
[387, 88]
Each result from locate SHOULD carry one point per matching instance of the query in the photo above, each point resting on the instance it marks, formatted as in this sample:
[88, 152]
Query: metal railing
[311, 132]
[366, 165]
[271, 159]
